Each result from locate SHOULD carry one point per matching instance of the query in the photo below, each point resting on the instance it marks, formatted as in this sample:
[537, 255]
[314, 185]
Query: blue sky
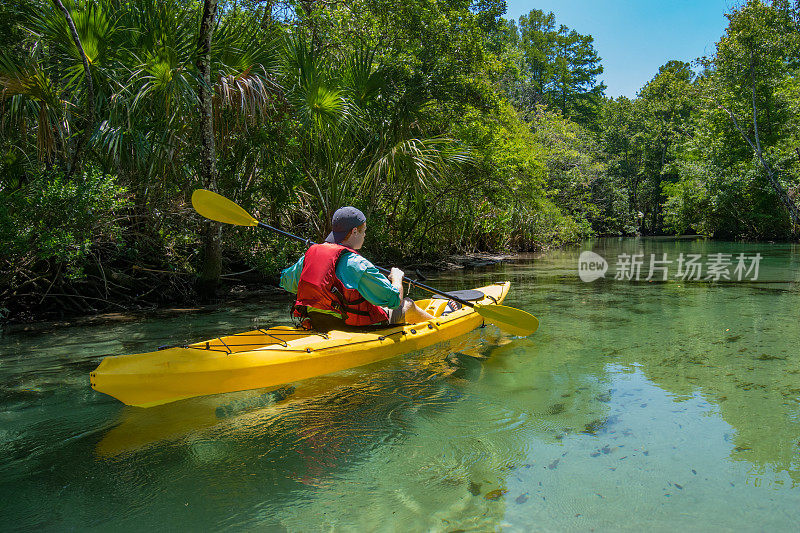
[635, 37]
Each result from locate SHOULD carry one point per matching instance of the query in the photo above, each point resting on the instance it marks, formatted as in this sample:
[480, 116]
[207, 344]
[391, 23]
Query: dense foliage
[717, 153]
[453, 128]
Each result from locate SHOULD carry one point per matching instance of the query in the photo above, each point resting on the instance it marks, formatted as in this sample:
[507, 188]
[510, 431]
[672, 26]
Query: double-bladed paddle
[216, 207]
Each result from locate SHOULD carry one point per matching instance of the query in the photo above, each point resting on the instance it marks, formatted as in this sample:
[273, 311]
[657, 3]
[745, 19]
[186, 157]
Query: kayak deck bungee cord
[275, 356]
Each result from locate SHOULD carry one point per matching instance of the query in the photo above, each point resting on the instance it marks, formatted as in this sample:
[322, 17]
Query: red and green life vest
[319, 288]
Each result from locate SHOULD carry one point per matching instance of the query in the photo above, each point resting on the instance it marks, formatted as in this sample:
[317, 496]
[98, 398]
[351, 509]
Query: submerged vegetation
[453, 128]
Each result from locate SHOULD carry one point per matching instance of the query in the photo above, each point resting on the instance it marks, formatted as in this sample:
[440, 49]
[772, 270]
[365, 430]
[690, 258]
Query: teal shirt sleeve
[290, 277]
[356, 272]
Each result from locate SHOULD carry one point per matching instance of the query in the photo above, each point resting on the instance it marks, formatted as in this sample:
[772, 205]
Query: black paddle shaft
[309, 242]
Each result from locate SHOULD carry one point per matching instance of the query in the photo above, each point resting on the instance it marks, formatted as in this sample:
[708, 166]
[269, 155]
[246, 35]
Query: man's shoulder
[356, 261]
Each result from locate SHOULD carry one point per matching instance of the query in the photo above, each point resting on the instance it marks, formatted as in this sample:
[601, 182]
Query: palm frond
[251, 95]
[414, 163]
[93, 20]
[29, 95]
[236, 48]
[361, 81]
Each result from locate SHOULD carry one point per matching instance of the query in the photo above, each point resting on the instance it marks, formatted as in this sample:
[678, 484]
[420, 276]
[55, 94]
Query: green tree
[666, 105]
[576, 92]
[739, 168]
[752, 61]
[537, 39]
[574, 165]
[561, 68]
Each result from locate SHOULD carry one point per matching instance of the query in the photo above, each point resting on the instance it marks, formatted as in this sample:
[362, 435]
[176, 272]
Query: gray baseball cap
[344, 220]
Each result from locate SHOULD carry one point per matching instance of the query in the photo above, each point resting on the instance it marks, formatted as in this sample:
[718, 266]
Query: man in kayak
[336, 287]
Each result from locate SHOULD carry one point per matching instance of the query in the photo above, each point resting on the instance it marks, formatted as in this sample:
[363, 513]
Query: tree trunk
[89, 126]
[212, 258]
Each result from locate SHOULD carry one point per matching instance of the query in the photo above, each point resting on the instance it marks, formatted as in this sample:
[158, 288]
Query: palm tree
[141, 58]
[353, 145]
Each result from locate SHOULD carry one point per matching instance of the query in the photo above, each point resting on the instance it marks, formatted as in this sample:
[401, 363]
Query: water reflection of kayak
[138, 429]
[272, 357]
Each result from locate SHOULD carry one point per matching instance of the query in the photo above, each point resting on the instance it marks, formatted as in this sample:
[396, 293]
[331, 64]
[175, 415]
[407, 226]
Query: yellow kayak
[276, 356]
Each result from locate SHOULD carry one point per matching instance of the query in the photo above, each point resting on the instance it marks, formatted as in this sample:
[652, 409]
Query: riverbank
[244, 287]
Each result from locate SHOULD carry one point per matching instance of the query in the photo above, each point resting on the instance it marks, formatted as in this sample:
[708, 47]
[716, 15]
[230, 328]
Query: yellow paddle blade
[509, 319]
[215, 207]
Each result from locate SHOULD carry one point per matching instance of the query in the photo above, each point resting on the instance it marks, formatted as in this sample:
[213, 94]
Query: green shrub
[50, 218]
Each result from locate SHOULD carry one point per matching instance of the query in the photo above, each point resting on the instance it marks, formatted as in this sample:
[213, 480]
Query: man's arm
[290, 277]
[358, 273]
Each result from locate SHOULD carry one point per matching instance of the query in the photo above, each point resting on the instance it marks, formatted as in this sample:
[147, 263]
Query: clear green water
[661, 406]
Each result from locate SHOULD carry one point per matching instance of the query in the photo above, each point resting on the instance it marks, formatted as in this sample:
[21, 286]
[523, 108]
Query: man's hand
[396, 275]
